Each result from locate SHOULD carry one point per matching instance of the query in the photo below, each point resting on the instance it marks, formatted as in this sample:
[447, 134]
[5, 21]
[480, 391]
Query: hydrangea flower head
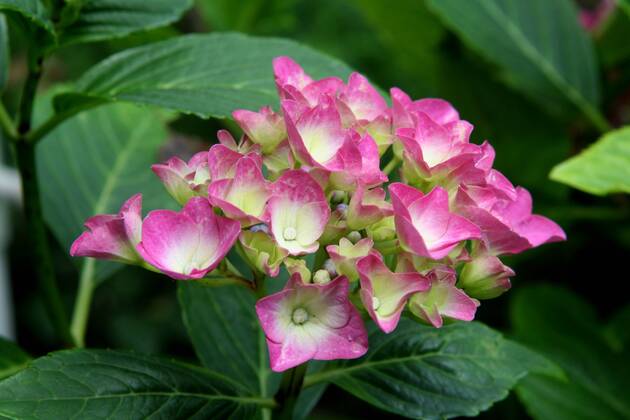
[313, 177]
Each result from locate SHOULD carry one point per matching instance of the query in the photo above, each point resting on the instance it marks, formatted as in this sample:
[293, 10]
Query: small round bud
[354, 236]
[321, 277]
[289, 233]
[299, 316]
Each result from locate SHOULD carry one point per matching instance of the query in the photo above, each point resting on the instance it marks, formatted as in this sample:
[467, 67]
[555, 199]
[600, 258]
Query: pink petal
[187, 244]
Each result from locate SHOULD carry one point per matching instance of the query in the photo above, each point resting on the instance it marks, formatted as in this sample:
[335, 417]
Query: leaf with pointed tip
[424, 372]
[12, 358]
[32, 10]
[88, 384]
[209, 75]
[539, 46]
[603, 168]
[108, 19]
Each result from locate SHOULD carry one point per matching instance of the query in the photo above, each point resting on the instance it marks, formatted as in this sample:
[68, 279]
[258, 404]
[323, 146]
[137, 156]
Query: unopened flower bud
[260, 228]
[485, 277]
[321, 277]
[354, 236]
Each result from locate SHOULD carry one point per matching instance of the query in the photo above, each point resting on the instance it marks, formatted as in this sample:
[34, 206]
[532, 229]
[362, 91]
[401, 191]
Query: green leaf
[87, 384]
[5, 56]
[207, 75]
[32, 10]
[95, 161]
[12, 358]
[107, 19]
[224, 329]
[408, 23]
[522, 38]
[565, 329]
[602, 168]
[419, 371]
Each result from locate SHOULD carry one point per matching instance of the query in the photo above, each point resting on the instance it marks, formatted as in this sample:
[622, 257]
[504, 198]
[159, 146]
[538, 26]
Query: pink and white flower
[112, 236]
[384, 294]
[311, 321]
[504, 214]
[265, 127]
[442, 300]
[424, 224]
[298, 212]
[184, 180]
[187, 244]
[317, 137]
[345, 256]
[262, 251]
[244, 196]
[367, 207]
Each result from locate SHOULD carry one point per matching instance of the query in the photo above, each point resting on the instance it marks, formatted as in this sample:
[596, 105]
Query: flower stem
[391, 165]
[83, 301]
[289, 391]
[6, 124]
[38, 241]
[36, 229]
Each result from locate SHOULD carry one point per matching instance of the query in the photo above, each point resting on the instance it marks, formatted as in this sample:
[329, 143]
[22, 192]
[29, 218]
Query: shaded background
[395, 43]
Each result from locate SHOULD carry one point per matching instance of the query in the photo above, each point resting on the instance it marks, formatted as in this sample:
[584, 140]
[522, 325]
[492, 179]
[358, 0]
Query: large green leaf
[107, 19]
[601, 169]
[12, 358]
[32, 10]
[227, 337]
[565, 329]
[419, 371]
[5, 57]
[88, 384]
[95, 161]
[538, 45]
[207, 75]
[408, 23]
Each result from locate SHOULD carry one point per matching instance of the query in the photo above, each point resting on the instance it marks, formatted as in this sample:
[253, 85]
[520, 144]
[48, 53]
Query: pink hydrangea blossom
[187, 244]
[184, 180]
[311, 321]
[424, 223]
[112, 236]
[504, 214]
[345, 256]
[298, 212]
[265, 127]
[244, 196]
[384, 294]
[442, 300]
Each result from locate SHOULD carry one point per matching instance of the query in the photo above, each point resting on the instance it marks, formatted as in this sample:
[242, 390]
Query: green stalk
[393, 163]
[289, 392]
[36, 229]
[38, 241]
[6, 124]
[83, 301]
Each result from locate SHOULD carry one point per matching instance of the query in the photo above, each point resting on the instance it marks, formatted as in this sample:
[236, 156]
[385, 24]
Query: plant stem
[36, 229]
[83, 301]
[391, 165]
[289, 391]
[6, 124]
[38, 242]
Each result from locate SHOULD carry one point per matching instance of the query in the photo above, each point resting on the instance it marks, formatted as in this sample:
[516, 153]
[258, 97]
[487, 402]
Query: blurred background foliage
[403, 43]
